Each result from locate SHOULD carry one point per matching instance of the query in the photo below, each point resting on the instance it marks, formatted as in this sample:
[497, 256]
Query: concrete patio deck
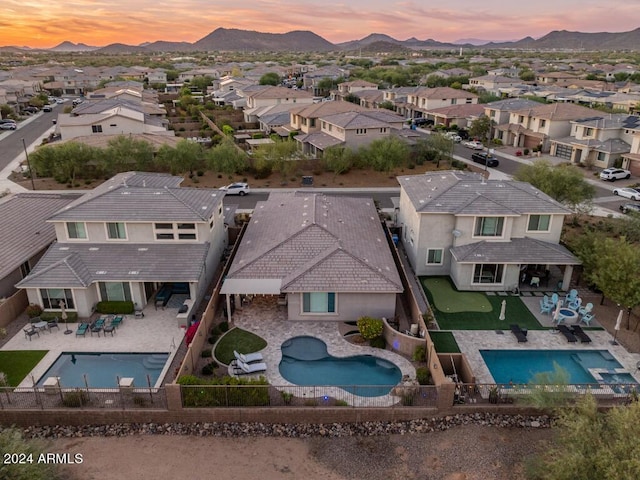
[268, 320]
[157, 332]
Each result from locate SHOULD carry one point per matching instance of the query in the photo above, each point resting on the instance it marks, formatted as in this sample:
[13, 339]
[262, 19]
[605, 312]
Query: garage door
[563, 151]
[634, 167]
[531, 142]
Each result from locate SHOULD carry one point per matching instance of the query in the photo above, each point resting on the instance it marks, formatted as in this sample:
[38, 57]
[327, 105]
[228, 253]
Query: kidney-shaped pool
[305, 361]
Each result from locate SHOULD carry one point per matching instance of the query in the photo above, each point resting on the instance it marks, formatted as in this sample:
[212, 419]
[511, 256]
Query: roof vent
[94, 249]
[143, 249]
[101, 272]
[134, 272]
[64, 248]
[126, 192]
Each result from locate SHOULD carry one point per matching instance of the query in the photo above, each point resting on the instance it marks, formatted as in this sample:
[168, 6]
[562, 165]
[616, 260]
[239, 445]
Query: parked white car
[613, 174]
[474, 144]
[238, 188]
[632, 193]
[453, 136]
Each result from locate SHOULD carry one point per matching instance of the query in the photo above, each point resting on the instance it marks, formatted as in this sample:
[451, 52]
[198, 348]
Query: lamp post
[31, 172]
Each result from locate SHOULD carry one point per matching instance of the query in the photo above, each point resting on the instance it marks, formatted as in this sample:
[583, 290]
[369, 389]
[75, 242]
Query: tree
[480, 128]
[338, 159]
[592, 445]
[279, 156]
[563, 183]
[226, 158]
[442, 145]
[527, 75]
[616, 272]
[202, 82]
[125, 153]
[385, 154]
[270, 78]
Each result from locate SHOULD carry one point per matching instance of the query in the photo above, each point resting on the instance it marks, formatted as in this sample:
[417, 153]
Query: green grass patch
[444, 342]
[16, 364]
[516, 312]
[447, 299]
[239, 340]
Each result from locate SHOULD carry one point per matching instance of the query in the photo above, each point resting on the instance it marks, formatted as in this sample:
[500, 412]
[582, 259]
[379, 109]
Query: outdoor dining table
[41, 325]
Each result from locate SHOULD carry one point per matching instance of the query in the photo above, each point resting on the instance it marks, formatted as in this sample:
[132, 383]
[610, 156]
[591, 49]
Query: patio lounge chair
[520, 334]
[578, 332]
[97, 326]
[116, 321]
[576, 304]
[82, 329]
[249, 368]
[53, 324]
[568, 334]
[248, 357]
[571, 296]
[30, 332]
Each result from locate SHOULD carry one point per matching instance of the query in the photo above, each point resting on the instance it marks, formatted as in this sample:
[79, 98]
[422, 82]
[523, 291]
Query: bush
[342, 403]
[34, 310]
[423, 375]
[370, 328]
[378, 342]
[287, 397]
[75, 399]
[206, 353]
[213, 339]
[115, 307]
[230, 392]
[224, 327]
[419, 354]
[526, 151]
[209, 368]
[72, 317]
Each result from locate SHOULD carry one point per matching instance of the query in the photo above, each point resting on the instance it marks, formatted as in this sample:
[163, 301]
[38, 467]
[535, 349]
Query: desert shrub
[342, 403]
[224, 327]
[419, 354]
[75, 399]
[370, 327]
[378, 342]
[224, 392]
[206, 353]
[287, 397]
[526, 151]
[209, 368]
[34, 310]
[213, 339]
[423, 375]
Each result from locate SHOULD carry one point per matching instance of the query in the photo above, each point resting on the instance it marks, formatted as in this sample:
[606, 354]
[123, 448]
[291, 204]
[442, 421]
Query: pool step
[154, 362]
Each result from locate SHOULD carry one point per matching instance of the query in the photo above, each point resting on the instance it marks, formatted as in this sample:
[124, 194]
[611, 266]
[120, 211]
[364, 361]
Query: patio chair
[53, 324]
[568, 334]
[571, 296]
[554, 299]
[520, 334]
[586, 309]
[82, 329]
[30, 332]
[545, 307]
[248, 357]
[575, 305]
[578, 332]
[586, 318]
[116, 321]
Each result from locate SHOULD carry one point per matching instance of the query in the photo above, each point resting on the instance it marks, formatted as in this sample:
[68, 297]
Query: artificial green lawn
[516, 312]
[16, 364]
[240, 341]
[447, 299]
[444, 342]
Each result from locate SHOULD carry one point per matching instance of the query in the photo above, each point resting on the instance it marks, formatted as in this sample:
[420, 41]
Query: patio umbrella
[503, 310]
[63, 315]
[556, 312]
[617, 327]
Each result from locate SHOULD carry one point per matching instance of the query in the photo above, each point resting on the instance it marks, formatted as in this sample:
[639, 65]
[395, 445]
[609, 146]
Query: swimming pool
[102, 370]
[583, 366]
[305, 361]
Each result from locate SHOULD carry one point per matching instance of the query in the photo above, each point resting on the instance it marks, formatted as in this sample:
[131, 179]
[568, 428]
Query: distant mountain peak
[68, 46]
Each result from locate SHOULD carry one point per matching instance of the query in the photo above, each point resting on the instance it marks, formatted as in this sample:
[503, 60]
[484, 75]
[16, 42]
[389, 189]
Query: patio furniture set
[38, 325]
[570, 308]
[105, 325]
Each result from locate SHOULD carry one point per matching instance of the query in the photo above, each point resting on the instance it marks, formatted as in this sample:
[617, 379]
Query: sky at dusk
[99, 22]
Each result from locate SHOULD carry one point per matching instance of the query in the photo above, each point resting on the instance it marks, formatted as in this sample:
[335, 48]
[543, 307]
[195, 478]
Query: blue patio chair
[572, 296]
[545, 307]
[586, 309]
[575, 305]
[554, 299]
[587, 318]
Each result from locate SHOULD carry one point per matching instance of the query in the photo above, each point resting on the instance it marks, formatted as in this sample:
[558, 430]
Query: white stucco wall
[349, 306]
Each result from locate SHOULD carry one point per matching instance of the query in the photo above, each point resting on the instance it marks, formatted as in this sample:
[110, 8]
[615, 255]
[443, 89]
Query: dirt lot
[461, 453]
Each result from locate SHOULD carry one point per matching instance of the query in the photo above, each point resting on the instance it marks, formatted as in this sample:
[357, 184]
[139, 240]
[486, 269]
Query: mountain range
[225, 39]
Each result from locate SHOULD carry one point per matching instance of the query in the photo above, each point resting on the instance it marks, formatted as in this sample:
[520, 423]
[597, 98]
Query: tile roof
[71, 265]
[316, 110]
[280, 92]
[313, 242]
[368, 119]
[558, 111]
[134, 196]
[24, 230]
[510, 104]
[319, 140]
[463, 193]
[517, 250]
[444, 92]
[462, 110]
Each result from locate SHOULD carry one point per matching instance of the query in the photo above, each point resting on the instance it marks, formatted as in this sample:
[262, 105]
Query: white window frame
[76, 239]
[429, 250]
[175, 232]
[539, 215]
[473, 274]
[335, 304]
[126, 233]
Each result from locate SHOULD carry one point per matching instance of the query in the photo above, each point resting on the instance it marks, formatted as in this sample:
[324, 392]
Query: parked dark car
[485, 159]
[630, 207]
[421, 122]
[30, 109]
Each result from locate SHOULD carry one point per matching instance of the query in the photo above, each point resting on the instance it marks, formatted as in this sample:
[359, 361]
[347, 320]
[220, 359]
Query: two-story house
[631, 160]
[326, 255]
[538, 125]
[500, 111]
[598, 141]
[350, 129]
[425, 99]
[482, 233]
[306, 118]
[493, 83]
[268, 96]
[126, 238]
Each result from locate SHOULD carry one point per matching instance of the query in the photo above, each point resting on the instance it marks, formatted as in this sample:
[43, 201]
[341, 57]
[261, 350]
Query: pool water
[520, 366]
[305, 361]
[102, 370]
